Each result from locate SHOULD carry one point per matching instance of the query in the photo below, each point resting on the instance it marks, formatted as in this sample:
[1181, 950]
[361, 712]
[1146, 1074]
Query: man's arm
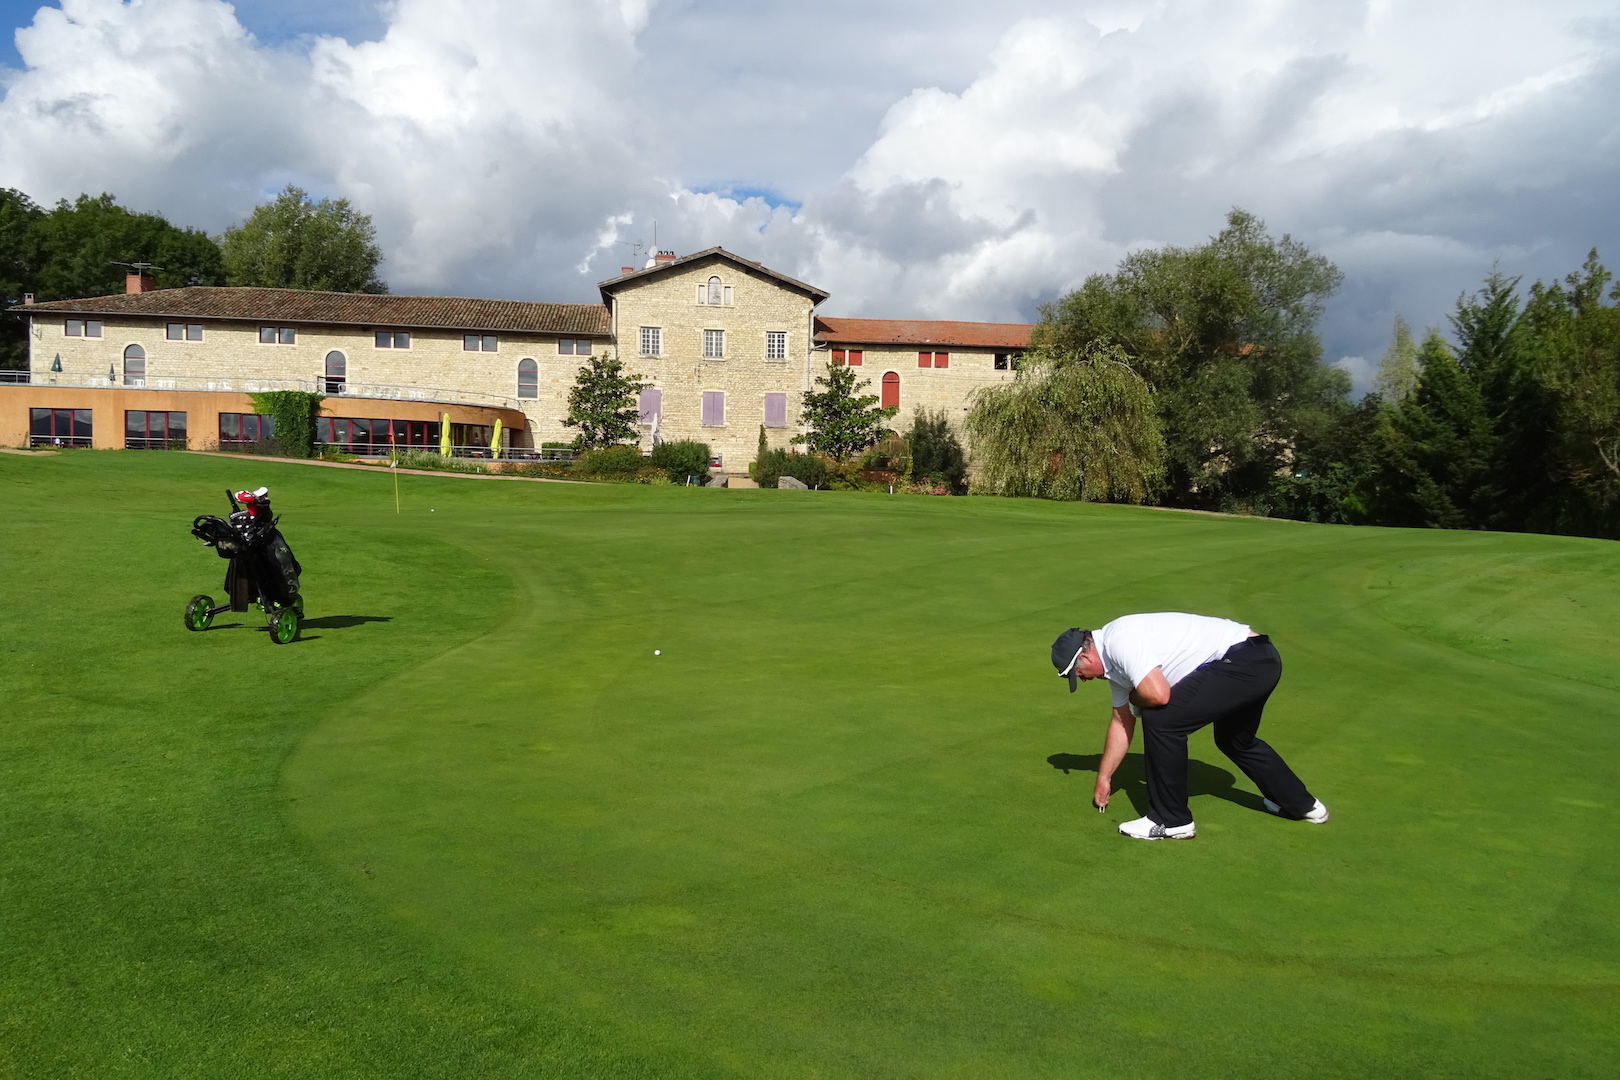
[1121, 726]
[1152, 692]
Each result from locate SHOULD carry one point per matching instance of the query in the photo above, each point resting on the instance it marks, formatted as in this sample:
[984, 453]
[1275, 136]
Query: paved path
[384, 469]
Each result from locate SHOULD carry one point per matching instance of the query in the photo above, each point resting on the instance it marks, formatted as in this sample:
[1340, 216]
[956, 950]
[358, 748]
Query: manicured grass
[471, 826]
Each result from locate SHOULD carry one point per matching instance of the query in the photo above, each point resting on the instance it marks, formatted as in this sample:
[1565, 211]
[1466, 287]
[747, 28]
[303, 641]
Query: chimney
[664, 258]
[28, 298]
[627, 269]
[138, 281]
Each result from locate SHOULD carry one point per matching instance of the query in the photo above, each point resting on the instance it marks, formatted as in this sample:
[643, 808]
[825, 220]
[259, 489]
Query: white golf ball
[658, 652]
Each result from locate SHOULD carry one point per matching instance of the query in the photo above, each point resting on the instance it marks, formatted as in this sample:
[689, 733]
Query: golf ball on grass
[658, 652]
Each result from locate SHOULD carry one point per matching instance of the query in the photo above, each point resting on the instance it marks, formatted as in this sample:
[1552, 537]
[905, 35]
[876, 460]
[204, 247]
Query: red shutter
[891, 390]
[925, 359]
[942, 359]
[855, 356]
[838, 357]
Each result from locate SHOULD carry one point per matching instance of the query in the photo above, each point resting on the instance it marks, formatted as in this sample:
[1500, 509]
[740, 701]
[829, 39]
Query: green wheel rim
[197, 613]
[285, 628]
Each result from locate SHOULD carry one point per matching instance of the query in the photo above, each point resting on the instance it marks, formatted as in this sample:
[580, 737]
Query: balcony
[241, 385]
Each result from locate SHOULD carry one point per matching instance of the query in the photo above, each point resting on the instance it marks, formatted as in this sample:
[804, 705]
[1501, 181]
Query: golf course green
[471, 825]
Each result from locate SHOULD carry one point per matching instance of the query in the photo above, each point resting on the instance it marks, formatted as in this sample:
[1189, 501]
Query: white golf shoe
[1144, 829]
[1315, 815]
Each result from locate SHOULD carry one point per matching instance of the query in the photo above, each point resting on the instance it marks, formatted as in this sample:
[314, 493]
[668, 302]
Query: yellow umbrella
[444, 434]
[495, 440]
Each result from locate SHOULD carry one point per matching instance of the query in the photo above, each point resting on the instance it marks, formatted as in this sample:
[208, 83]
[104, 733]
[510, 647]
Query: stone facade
[725, 345]
[754, 303]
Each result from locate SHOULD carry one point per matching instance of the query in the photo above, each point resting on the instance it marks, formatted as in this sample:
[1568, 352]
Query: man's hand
[1099, 794]
[1121, 726]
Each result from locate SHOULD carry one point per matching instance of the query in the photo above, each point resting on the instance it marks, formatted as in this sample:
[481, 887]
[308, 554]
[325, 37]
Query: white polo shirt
[1174, 642]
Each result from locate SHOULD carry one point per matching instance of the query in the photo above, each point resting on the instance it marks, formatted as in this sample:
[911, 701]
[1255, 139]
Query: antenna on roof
[138, 267]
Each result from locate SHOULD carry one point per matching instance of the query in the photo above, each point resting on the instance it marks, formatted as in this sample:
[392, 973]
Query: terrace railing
[243, 385]
[8, 377]
[481, 453]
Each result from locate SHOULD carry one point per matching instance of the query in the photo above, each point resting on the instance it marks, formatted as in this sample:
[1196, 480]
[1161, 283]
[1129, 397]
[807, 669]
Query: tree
[293, 243]
[1224, 333]
[19, 263]
[1071, 425]
[840, 421]
[1432, 450]
[936, 453]
[602, 404]
[1397, 371]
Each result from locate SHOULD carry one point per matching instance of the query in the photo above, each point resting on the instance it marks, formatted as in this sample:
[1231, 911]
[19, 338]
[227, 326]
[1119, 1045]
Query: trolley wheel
[199, 613]
[284, 626]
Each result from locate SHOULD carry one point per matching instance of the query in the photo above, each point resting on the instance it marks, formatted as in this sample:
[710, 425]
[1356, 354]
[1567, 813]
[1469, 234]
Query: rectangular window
[402, 339]
[194, 331]
[278, 335]
[491, 344]
[393, 339]
[776, 344]
[727, 291]
[714, 344]
[385, 339]
[652, 341]
[925, 359]
[471, 343]
[855, 357]
[59, 427]
[565, 346]
[649, 403]
[184, 331]
[776, 410]
[289, 336]
[1003, 361]
[839, 357]
[934, 359]
[92, 328]
[244, 428]
[267, 335]
[574, 346]
[714, 408]
[154, 430]
[73, 328]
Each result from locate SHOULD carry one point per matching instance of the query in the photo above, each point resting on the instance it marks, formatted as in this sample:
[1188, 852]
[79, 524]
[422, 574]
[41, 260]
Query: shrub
[611, 462]
[292, 414]
[936, 453]
[682, 459]
[428, 459]
[809, 469]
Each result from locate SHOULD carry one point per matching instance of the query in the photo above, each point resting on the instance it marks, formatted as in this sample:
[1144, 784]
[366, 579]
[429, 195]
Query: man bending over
[1178, 673]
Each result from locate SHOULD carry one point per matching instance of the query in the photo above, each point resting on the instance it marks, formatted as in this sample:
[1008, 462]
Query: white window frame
[714, 344]
[776, 345]
[652, 341]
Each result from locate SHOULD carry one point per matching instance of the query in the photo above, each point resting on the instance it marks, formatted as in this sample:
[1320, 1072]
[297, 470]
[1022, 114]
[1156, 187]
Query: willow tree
[1071, 425]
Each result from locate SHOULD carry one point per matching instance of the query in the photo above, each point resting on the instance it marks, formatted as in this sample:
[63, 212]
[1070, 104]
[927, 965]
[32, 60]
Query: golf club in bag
[262, 568]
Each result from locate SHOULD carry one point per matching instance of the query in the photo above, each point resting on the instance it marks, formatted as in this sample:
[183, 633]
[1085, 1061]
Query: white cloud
[936, 158]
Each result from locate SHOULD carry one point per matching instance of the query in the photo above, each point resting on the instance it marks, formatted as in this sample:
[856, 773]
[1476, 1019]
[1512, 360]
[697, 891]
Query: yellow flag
[444, 434]
[495, 440]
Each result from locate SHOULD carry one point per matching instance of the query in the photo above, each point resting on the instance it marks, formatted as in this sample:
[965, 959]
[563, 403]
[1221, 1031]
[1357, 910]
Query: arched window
[337, 368]
[714, 290]
[134, 366]
[528, 378]
[891, 390]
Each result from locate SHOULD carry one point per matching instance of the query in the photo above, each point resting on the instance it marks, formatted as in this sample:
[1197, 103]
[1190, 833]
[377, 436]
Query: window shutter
[838, 357]
[728, 296]
[925, 359]
[855, 357]
[714, 408]
[703, 295]
[776, 410]
[942, 359]
[649, 404]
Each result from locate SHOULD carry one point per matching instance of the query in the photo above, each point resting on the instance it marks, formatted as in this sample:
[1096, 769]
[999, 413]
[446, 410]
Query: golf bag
[262, 568]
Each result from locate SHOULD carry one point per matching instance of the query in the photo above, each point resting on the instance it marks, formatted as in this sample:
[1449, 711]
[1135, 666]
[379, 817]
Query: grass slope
[471, 826]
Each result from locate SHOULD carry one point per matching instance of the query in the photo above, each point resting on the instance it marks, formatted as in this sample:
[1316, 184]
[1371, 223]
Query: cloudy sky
[945, 159]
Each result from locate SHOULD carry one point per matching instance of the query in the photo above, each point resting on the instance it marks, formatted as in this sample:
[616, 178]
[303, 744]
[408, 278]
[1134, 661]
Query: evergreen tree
[602, 404]
[839, 420]
[1432, 450]
[1069, 426]
[936, 453]
[294, 243]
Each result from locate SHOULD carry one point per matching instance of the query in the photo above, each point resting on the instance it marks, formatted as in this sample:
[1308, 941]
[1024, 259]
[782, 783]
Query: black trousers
[1230, 693]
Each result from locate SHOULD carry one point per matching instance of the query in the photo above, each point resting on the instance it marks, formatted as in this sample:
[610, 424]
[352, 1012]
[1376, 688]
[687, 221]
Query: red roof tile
[342, 309]
[979, 335]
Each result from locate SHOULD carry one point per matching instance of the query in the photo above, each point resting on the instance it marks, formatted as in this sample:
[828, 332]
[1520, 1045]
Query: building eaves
[979, 335]
[295, 306]
[612, 285]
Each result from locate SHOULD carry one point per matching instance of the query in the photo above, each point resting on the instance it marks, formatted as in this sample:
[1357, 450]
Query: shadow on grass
[1129, 780]
[338, 622]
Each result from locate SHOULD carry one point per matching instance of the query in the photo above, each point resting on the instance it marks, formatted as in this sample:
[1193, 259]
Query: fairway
[470, 825]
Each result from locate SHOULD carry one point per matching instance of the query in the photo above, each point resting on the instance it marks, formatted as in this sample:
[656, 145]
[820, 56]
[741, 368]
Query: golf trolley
[262, 569]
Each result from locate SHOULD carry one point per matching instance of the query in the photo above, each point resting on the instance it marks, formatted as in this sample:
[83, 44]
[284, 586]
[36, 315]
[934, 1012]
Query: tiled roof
[342, 309]
[980, 335]
[611, 284]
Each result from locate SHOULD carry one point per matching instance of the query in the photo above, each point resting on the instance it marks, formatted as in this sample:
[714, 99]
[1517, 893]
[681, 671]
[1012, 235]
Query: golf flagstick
[393, 463]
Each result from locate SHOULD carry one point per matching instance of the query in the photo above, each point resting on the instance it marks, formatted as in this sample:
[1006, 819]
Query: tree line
[84, 247]
[1193, 377]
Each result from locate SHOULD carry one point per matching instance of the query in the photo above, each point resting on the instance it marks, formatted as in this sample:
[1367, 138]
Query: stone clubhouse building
[725, 345]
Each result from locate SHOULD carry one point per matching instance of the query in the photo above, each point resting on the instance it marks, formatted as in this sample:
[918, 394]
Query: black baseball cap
[1066, 652]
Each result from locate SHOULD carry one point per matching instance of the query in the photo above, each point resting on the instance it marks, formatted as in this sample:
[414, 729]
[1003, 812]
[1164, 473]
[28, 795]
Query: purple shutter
[776, 410]
[714, 408]
[650, 404]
